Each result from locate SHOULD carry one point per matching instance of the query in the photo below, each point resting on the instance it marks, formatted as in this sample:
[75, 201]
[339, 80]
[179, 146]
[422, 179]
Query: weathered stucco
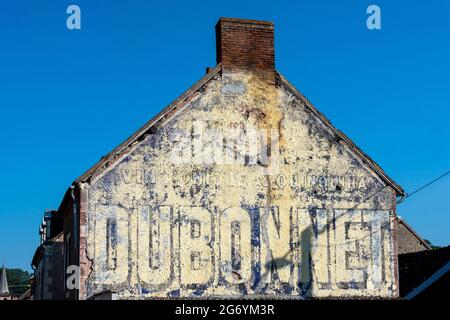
[263, 201]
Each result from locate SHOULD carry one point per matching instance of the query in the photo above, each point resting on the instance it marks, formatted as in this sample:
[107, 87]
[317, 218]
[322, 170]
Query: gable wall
[287, 210]
[408, 241]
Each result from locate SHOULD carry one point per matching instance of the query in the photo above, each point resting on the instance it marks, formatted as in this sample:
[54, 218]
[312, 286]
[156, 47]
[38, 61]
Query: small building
[48, 260]
[409, 240]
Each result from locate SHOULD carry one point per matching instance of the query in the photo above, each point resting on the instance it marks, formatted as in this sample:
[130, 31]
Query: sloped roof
[110, 159]
[413, 232]
[26, 295]
[415, 268]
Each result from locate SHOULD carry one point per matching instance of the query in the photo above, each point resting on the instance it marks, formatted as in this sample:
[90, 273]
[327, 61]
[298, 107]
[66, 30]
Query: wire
[423, 187]
[383, 225]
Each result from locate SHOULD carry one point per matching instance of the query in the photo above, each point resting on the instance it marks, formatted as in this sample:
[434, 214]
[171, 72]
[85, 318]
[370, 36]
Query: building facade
[48, 260]
[240, 187]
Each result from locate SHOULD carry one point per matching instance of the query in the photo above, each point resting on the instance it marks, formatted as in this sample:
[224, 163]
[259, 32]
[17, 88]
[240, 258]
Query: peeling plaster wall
[302, 217]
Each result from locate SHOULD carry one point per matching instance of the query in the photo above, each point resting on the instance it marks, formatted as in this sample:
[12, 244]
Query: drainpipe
[75, 217]
[75, 223]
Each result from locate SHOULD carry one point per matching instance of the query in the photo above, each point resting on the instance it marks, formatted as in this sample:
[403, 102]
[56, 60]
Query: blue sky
[69, 97]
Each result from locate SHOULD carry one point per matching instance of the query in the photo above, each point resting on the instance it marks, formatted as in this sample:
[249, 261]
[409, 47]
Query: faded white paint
[314, 221]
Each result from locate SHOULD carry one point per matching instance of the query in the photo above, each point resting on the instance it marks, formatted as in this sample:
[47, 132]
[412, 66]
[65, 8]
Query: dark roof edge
[36, 256]
[371, 163]
[402, 221]
[429, 281]
[109, 158]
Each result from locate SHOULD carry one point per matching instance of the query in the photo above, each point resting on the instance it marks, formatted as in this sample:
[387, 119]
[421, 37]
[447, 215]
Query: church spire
[4, 289]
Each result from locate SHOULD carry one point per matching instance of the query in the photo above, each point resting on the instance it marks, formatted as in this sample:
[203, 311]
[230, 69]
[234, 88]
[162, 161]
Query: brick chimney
[245, 44]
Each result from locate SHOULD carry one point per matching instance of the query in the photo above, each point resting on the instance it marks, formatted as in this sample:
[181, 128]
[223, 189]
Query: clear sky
[69, 97]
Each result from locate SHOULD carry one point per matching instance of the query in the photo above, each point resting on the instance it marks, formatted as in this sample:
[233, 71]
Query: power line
[386, 225]
[422, 187]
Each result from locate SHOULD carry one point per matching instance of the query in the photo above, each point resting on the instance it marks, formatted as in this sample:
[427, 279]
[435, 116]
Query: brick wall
[245, 44]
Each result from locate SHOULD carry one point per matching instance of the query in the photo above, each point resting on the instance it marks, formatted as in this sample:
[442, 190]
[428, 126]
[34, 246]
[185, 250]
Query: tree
[18, 281]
